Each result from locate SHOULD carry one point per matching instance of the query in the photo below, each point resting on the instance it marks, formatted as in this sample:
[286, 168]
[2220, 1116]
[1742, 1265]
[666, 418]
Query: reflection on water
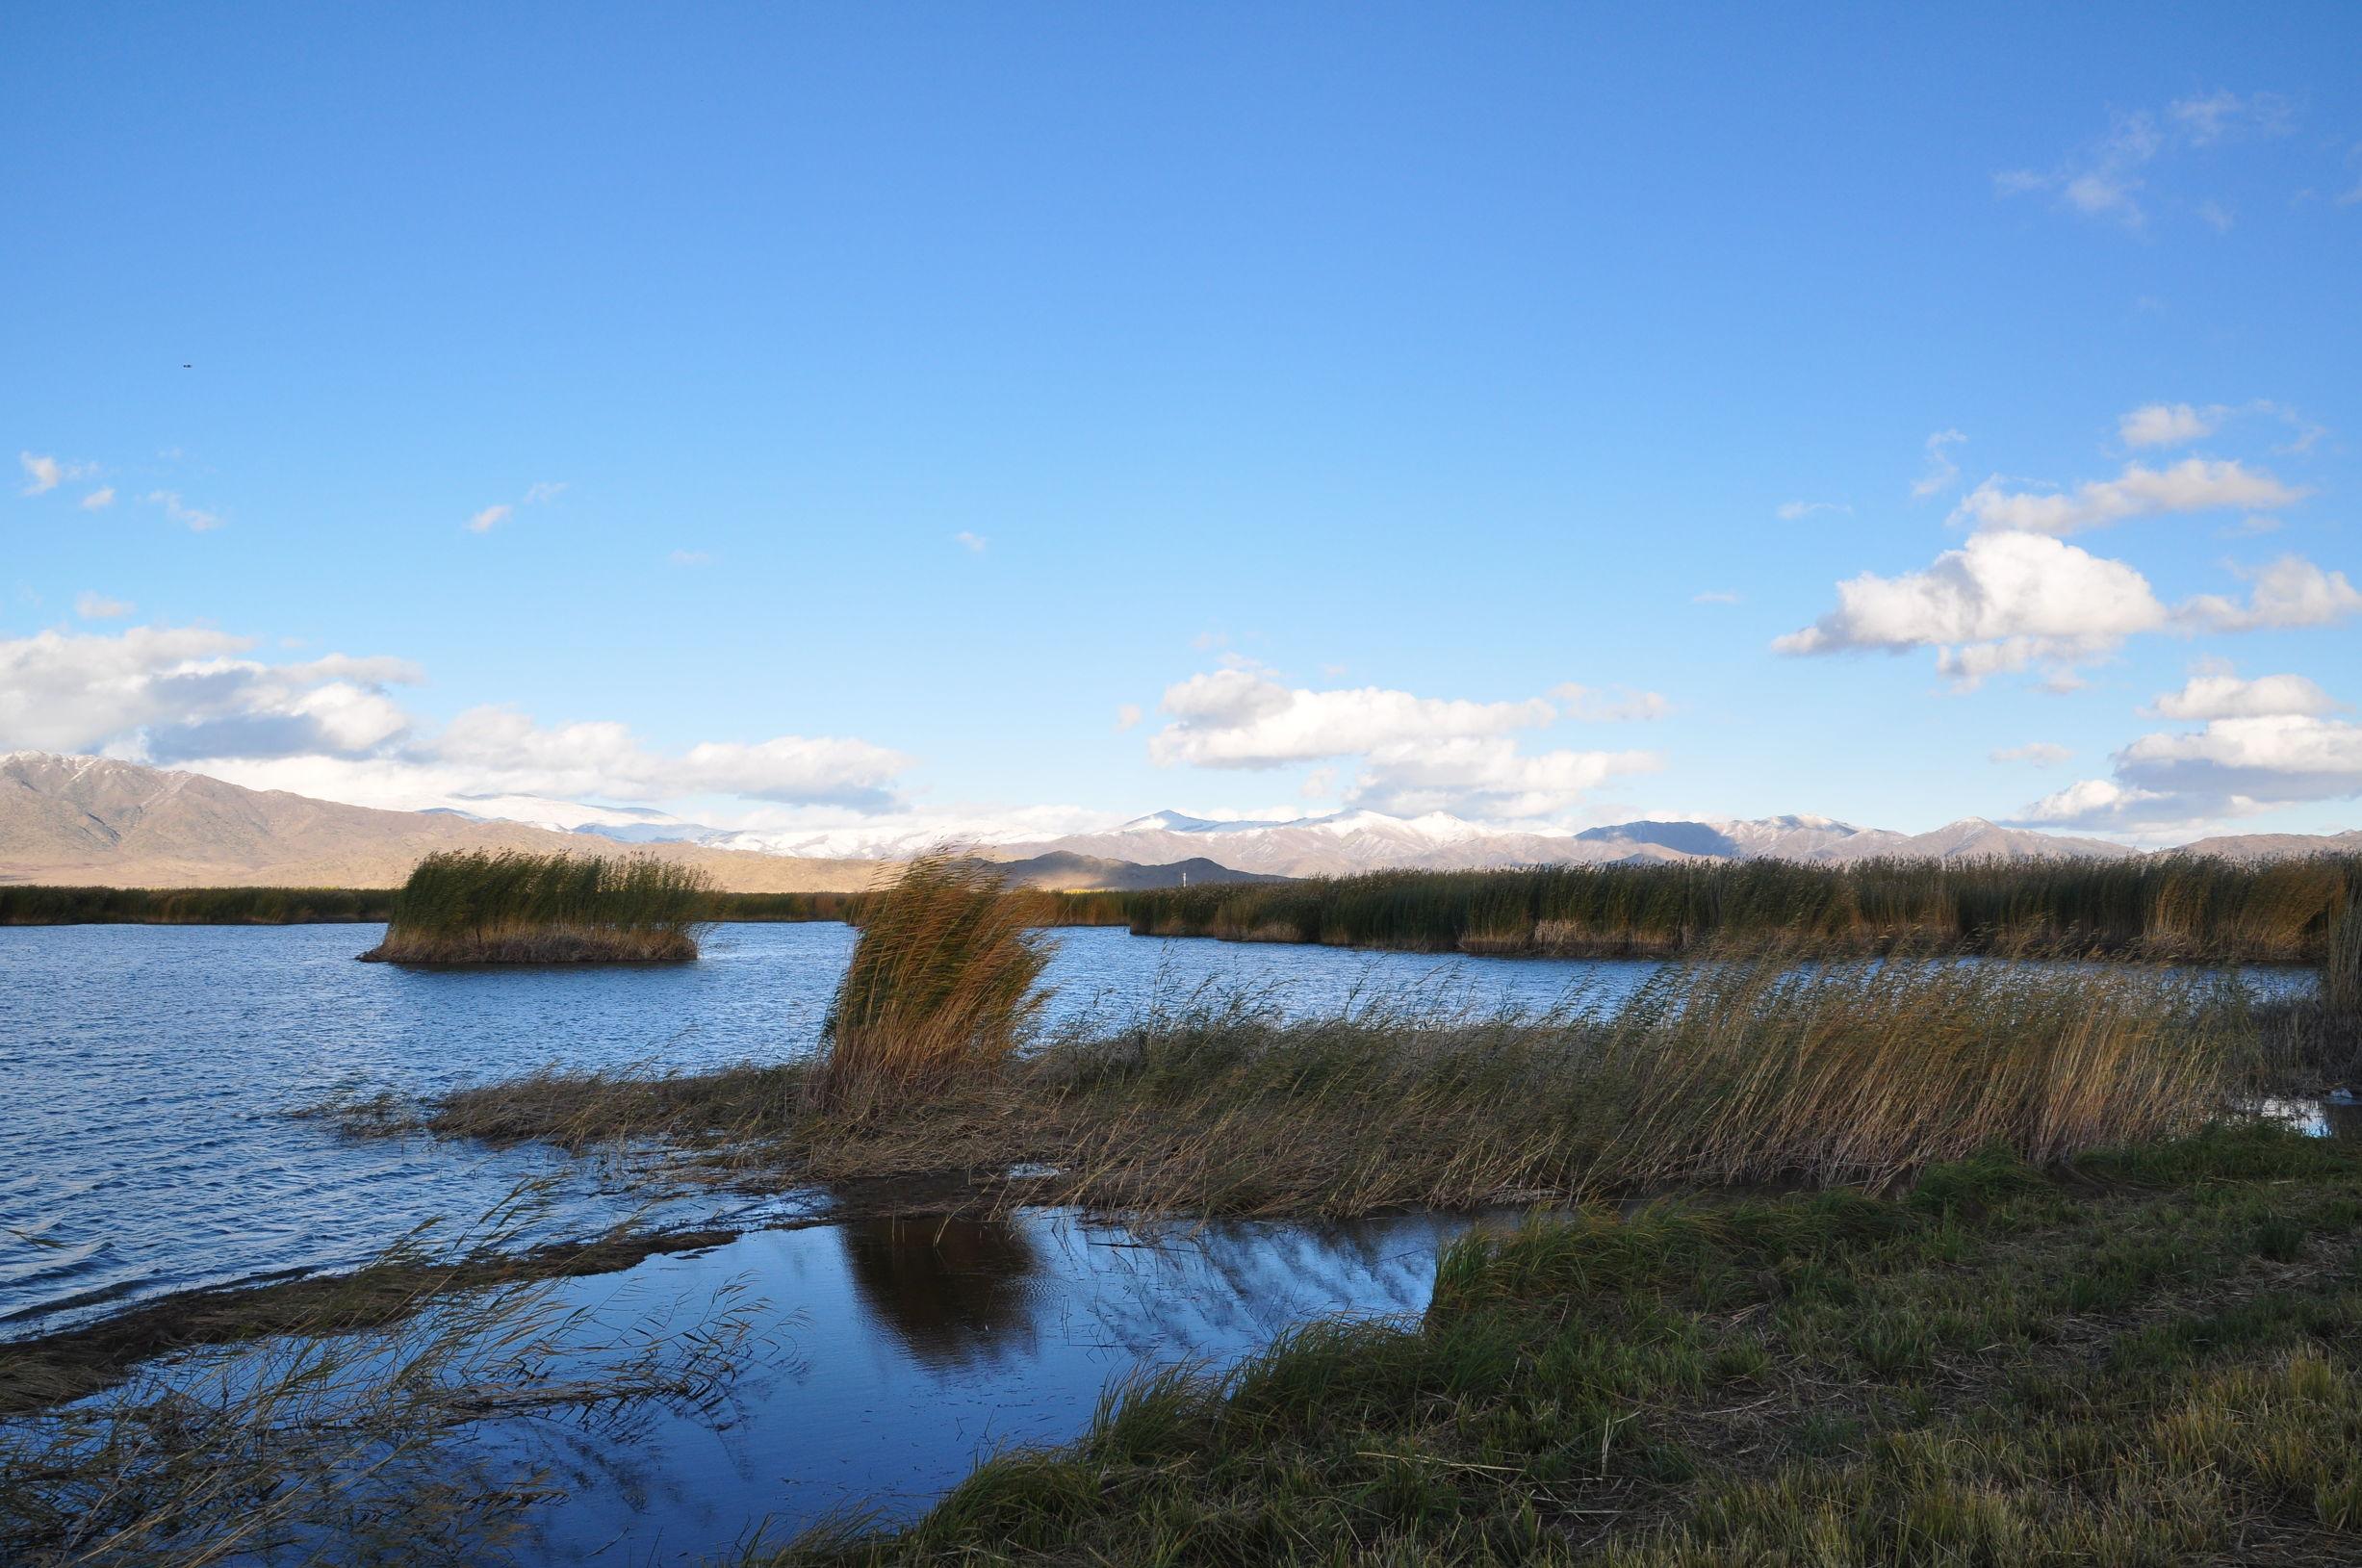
[951, 1290]
[918, 1347]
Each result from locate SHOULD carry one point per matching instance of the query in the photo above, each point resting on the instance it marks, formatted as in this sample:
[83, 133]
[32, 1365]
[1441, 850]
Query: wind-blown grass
[2186, 906]
[941, 983]
[514, 908]
[1740, 1070]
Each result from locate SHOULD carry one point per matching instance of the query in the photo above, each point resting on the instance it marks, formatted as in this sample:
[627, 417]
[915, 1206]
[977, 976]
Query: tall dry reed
[942, 980]
[516, 908]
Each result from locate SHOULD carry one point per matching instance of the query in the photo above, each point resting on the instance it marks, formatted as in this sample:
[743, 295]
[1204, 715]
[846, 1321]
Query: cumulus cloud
[2040, 753]
[2290, 592]
[195, 696]
[2001, 602]
[972, 542]
[1415, 754]
[98, 500]
[2194, 484]
[1789, 511]
[491, 518]
[2215, 691]
[2169, 425]
[1714, 596]
[99, 607]
[1942, 472]
[1127, 715]
[195, 518]
[2259, 744]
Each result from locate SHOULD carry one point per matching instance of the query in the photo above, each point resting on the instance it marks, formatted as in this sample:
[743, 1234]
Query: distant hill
[1064, 871]
[1351, 842]
[90, 821]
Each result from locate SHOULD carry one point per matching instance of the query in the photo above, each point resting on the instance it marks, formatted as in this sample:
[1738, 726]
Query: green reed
[475, 906]
[2152, 907]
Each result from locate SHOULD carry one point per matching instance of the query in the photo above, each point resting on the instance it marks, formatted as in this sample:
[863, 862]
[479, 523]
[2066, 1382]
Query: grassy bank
[1713, 1071]
[512, 908]
[2173, 907]
[2155, 1360]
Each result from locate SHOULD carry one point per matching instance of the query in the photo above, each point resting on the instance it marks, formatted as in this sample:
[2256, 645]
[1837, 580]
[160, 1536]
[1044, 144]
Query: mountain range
[95, 820]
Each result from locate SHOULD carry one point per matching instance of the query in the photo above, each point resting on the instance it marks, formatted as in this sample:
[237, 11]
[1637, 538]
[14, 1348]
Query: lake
[145, 1148]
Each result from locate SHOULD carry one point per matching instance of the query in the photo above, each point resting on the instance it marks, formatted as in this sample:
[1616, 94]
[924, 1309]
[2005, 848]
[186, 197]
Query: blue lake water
[145, 1074]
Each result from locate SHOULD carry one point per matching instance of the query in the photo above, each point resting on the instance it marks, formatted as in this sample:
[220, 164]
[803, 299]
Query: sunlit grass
[942, 981]
[2150, 907]
[516, 908]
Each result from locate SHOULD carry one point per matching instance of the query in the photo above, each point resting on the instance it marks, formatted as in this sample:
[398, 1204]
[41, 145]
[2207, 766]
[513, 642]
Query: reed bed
[516, 908]
[1742, 1069]
[35, 905]
[2164, 907]
[941, 984]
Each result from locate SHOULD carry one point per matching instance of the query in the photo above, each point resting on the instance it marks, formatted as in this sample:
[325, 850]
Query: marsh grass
[2153, 1362]
[941, 985]
[2166, 907]
[338, 1438]
[515, 907]
[1749, 1069]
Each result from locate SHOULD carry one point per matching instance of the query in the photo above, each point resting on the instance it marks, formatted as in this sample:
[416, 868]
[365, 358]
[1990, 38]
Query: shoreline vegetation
[2171, 908]
[32, 903]
[2148, 1358]
[513, 907]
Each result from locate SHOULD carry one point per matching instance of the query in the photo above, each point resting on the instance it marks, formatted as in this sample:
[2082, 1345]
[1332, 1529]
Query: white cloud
[2040, 753]
[2214, 692]
[1789, 511]
[2106, 178]
[194, 697]
[491, 518]
[1594, 706]
[196, 520]
[546, 490]
[2169, 425]
[1942, 472]
[1127, 715]
[2089, 803]
[98, 500]
[1714, 596]
[2215, 216]
[1415, 754]
[45, 472]
[974, 542]
[2002, 602]
[2223, 114]
[2260, 744]
[2194, 484]
[99, 607]
[2291, 592]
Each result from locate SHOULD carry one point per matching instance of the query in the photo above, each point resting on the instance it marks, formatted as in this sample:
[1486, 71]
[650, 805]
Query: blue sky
[911, 413]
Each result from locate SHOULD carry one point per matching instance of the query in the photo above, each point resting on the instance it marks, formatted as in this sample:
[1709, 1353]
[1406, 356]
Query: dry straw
[941, 983]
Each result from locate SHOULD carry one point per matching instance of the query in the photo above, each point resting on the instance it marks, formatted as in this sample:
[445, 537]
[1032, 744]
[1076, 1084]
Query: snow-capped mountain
[1335, 844]
[1349, 841]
